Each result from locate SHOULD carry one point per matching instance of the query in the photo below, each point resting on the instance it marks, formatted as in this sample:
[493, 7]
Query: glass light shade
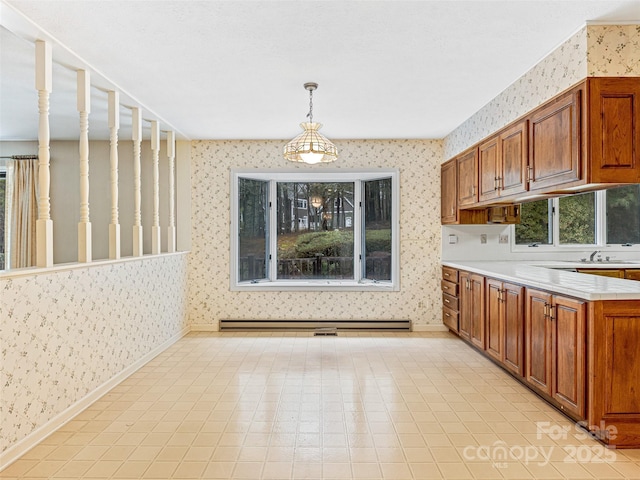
[310, 146]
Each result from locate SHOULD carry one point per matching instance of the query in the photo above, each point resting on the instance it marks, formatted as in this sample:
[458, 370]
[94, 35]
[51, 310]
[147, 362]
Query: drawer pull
[447, 275]
[446, 301]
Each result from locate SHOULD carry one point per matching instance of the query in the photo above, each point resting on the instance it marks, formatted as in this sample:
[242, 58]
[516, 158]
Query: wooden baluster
[155, 150]
[114, 125]
[137, 184]
[44, 224]
[171, 153]
[84, 108]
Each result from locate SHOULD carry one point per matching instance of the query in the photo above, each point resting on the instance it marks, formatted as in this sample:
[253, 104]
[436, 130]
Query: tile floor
[294, 406]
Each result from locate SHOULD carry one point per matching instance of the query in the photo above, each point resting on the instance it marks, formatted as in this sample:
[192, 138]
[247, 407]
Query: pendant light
[310, 146]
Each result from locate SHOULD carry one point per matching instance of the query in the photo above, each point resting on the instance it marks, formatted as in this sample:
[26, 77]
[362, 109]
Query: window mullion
[555, 221]
[358, 259]
[273, 231]
[601, 218]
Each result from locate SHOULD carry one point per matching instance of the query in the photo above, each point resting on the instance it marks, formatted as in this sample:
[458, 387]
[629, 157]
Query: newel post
[114, 125]
[137, 184]
[84, 108]
[171, 153]
[155, 150]
[44, 224]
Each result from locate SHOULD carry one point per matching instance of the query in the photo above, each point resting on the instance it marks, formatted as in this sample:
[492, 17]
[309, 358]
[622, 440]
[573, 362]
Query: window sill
[316, 286]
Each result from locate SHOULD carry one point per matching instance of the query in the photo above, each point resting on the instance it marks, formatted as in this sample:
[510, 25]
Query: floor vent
[319, 332]
[315, 325]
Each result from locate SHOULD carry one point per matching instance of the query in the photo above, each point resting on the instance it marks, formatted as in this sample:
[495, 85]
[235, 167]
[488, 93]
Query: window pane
[535, 223]
[623, 214]
[377, 201]
[315, 230]
[252, 229]
[577, 219]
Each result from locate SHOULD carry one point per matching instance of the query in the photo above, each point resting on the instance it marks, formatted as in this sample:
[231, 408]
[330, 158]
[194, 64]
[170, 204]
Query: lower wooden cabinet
[555, 348]
[471, 323]
[580, 356]
[505, 324]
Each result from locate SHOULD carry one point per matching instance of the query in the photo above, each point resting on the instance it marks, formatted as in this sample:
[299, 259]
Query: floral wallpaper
[66, 332]
[596, 50]
[613, 50]
[419, 297]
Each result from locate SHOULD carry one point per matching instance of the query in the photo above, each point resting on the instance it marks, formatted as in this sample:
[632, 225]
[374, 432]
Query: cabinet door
[514, 154]
[449, 194]
[495, 319]
[614, 109]
[632, 274]
[538, 340]
[464, 324]
[468, 178]
[477, 310]
[568, 319]
[488, 181]
[513, 306]
[555, 142]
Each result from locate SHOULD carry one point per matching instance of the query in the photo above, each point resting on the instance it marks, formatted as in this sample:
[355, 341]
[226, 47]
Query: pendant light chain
[310, 114]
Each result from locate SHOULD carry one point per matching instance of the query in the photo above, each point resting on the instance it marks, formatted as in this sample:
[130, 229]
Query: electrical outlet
[483, 238]
[503, 239]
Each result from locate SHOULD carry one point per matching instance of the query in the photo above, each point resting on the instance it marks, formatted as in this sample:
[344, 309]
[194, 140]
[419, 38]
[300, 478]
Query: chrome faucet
[593, 255]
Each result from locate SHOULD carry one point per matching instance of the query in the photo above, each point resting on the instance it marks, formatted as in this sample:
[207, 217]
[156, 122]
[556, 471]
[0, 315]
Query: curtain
[22, 212]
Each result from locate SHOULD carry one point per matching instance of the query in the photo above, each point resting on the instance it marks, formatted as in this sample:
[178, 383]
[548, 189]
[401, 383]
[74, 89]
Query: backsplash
[418, 299]
[64, 333]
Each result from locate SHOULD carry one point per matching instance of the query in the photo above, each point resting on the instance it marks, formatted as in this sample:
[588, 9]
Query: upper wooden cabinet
[467, 178]
[614, 130]
[555, 135]
[502, 163]
[448, 192]
[582, 139]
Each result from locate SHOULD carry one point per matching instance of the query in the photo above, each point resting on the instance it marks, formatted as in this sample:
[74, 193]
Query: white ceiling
[235, 69]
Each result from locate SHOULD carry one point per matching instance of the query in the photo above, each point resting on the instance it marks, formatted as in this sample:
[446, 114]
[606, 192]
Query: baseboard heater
[312, 325]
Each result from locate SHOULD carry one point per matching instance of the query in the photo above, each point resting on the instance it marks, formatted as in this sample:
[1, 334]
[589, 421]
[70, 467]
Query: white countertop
[540, 274]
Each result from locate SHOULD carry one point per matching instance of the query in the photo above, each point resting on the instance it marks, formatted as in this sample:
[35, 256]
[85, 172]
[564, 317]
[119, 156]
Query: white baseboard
[429, 328]
[14, 452]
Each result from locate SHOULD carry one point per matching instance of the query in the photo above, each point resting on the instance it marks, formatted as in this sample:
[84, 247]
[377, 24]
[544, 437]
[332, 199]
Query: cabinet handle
[529, 176]
[447, 315]
[447, 275]
[551, 317]
[446, 301]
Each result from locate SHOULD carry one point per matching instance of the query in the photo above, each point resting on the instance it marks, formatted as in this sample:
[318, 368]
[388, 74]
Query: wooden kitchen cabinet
[450, 300]
[614, 372]
[632, 274]
[449, 192]
[614, 130]
[505, 324]
[555, 349]
[449, 211]
[555, 136]
[603, 272]
[467, 178]
[472, 314]
[502, 163]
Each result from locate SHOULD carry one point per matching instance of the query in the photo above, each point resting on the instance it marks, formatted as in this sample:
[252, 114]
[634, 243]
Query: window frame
[359, 283]
[556, 246]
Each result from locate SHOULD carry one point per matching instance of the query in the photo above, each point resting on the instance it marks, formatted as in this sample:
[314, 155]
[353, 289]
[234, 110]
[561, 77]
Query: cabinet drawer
[449, 287]
[450, 274]
[450, 302]
[450, 318]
